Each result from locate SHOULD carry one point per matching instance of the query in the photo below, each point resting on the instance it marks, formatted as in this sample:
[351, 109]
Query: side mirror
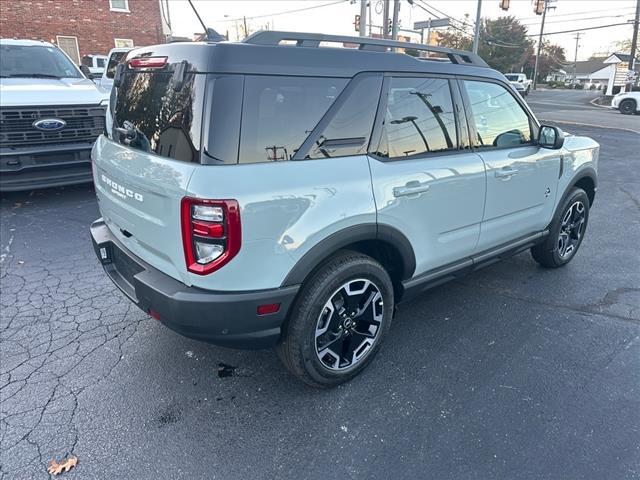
[86, 72]
[550, 137]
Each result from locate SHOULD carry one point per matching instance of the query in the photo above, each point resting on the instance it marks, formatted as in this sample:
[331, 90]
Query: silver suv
[280, 193]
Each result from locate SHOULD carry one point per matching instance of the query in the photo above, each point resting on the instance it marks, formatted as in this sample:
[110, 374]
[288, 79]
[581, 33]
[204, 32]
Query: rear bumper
[44, 166]
[228, 319]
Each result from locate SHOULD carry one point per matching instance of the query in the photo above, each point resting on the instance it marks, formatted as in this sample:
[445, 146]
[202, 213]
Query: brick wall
[92, 21]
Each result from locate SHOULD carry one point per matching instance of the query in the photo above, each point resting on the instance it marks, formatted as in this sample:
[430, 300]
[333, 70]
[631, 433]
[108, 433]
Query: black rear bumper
[45, 166]
[229, 319]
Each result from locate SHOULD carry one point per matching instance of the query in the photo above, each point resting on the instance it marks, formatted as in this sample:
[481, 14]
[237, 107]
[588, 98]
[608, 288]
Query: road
[513, 372]
[574, 107]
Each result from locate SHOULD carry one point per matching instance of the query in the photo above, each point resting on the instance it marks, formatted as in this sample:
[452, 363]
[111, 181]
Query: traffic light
[504, 5]
[356, 23]
[539, 8]
[389, 26]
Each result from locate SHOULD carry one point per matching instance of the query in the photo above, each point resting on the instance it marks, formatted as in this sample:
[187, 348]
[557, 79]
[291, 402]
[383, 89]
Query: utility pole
[476, 34]
[396, 13]
[363, 18]
[385, 19]
[535, 67]
[634, 41]
[575, 57]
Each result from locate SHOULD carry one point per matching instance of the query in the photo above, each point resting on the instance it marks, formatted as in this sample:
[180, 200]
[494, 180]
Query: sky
[337, 17]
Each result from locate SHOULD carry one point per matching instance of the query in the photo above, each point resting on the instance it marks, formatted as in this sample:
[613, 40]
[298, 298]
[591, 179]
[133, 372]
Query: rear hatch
[152, 146]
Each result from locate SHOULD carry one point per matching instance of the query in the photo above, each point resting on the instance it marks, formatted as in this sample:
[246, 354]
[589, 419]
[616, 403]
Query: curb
[592, 125]
[592, 102]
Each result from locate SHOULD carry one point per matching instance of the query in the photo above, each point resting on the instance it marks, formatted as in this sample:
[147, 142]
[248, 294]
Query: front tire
[627, 107]
[338, 321]
[566, 232]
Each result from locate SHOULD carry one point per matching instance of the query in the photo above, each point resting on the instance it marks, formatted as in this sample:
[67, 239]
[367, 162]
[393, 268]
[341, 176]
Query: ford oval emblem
[49, 124]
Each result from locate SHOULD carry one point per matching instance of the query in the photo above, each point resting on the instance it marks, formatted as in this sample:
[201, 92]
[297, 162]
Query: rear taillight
[211, 233]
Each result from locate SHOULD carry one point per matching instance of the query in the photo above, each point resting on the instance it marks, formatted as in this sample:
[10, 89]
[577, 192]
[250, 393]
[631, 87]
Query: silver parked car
[279, 193]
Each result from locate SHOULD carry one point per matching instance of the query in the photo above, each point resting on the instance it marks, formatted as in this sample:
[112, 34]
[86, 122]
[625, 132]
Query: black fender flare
[347, 236]
[587, 172]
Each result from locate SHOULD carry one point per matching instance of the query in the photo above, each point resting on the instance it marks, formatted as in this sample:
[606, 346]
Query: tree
[622, 46]
[552, 57]
[458, 37]
[504, 44]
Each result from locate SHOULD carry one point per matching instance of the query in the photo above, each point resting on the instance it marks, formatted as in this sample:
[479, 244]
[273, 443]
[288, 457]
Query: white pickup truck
[50, 116]
[520, 82]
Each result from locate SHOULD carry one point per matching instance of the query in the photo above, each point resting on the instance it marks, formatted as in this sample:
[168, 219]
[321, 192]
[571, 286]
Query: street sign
[433, 23]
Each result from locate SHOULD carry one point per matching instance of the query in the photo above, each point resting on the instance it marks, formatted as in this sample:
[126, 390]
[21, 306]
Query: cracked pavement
[511, 372]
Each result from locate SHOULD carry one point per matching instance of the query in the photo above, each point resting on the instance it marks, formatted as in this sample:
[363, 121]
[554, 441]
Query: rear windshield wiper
[30, 75]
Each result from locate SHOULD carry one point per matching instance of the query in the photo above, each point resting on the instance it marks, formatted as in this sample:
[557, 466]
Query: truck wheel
[338, 321]
[566, 231]
[627, 107]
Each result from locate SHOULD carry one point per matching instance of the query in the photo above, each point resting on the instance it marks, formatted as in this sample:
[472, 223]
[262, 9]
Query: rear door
[522, 178]
[426, 181]
[141, 171]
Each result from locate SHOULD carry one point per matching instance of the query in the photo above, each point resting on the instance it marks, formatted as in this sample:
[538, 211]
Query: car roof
[262, 53]
[25, 42]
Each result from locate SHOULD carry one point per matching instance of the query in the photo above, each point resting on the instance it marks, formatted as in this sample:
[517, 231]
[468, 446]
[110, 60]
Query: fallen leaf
[56, 468]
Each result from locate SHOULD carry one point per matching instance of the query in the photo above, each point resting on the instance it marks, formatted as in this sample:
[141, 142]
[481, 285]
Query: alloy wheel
[349, 324]
[571, 229]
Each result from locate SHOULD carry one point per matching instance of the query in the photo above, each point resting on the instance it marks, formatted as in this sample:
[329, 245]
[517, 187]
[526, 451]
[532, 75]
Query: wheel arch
[384, 243]
[586, 180]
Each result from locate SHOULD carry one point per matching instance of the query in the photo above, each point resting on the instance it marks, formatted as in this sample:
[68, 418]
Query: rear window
[512, 78]
[278, 114]
[149, 114]
[114, 60]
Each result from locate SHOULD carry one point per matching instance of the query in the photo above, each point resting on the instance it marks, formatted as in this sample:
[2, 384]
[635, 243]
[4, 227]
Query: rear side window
[419, 118]
[350, 127]
[499, 118]
[278, 114]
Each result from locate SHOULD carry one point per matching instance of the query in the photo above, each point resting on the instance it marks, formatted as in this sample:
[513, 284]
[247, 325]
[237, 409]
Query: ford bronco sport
[280, 192]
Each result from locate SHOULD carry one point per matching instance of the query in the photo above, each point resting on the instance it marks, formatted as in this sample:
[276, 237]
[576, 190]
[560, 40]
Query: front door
[424, 183]
[522, 177]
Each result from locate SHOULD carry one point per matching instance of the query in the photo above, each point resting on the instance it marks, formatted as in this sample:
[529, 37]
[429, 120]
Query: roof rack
[271, 37]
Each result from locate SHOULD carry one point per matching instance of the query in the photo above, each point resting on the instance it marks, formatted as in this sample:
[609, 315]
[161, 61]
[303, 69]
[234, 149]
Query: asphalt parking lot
[513, 372]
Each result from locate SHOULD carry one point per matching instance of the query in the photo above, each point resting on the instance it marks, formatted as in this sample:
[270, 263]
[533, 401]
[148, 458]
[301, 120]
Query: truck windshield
[37, 61]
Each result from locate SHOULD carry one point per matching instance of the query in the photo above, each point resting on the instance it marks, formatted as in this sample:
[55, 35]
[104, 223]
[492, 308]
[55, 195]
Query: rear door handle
[506, 173]
[413, 187]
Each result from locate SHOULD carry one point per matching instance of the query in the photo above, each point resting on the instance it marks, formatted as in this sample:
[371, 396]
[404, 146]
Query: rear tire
[566, 231]
[627, 107]
[339, 320]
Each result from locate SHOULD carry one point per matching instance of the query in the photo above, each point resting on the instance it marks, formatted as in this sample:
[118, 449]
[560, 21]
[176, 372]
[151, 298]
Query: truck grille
[84, 124]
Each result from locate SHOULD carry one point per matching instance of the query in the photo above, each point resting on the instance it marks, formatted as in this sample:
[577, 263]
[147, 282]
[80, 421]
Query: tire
[627, 107]
[322, 320]
[566, 231]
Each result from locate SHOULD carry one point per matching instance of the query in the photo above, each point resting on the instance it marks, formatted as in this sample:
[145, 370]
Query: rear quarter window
[279, 113]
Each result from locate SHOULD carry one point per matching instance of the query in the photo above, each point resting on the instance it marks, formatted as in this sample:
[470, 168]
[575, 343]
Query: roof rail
[271, 37]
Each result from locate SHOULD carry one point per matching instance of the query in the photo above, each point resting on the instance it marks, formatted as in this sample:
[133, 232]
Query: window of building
[419, 118]
[70, 46]
[119, 5]
[499, 118]
[279, 113]
[123, 43]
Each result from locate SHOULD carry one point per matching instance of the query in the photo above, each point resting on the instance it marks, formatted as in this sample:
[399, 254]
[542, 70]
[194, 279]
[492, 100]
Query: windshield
[512, 78]
[35, 61]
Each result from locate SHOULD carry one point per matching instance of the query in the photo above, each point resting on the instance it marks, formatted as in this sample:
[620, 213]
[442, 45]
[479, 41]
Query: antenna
[210, 33]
